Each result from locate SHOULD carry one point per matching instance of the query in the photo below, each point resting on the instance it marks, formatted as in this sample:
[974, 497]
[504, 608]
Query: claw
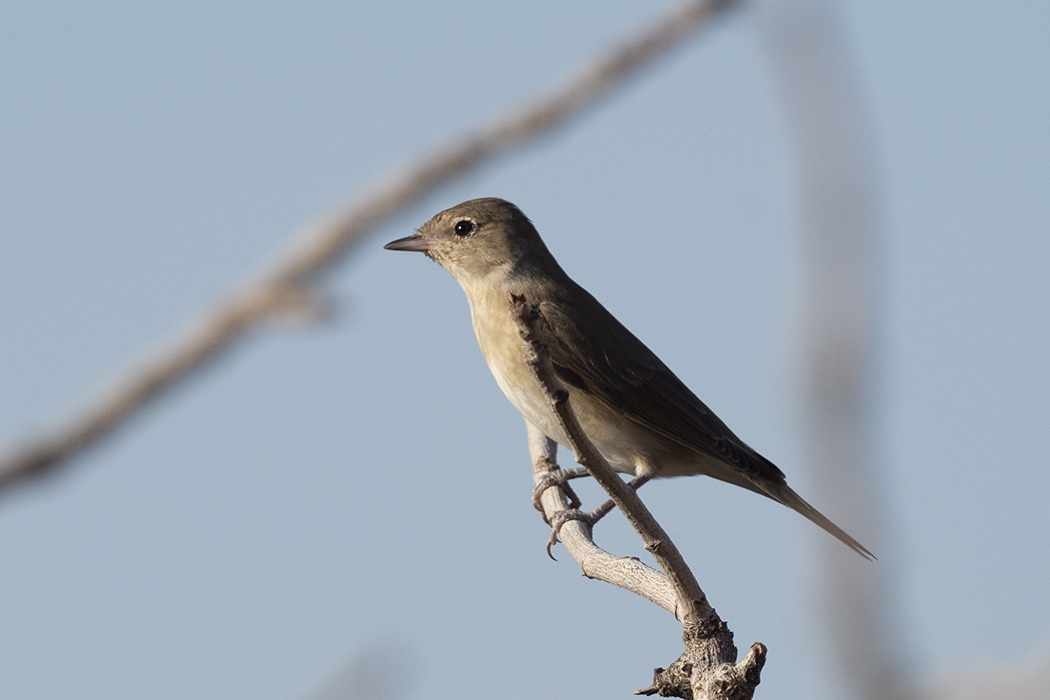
[562, 517]
[574, 512]
[557, 477]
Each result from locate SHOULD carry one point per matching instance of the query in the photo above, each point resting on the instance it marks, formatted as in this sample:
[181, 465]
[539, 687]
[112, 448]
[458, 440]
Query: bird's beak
[414, 242]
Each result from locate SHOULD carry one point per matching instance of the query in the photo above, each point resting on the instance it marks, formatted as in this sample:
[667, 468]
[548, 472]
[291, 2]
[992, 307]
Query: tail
[782, 493]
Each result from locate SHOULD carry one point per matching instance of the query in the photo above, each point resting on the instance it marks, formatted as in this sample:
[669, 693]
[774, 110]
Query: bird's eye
[464, 227]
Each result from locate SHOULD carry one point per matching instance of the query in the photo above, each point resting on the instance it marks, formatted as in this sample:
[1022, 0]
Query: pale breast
[501, 345]
[615, 437]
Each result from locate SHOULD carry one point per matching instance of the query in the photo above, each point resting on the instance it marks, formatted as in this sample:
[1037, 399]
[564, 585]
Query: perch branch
[628, 573]
[707, 669]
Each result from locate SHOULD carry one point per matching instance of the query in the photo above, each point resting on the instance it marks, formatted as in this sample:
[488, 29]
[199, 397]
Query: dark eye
[464, 227]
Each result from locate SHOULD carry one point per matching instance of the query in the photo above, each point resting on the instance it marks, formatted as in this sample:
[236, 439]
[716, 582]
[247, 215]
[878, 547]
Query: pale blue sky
[363, 484]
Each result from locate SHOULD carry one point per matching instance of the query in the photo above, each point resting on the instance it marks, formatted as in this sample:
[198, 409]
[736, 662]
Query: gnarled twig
[707, 669]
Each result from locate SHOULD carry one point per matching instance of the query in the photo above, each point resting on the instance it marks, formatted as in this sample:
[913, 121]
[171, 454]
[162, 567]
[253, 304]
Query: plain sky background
[360, 489]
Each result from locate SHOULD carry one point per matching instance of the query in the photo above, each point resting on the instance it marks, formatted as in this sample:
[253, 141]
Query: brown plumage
[638, 414]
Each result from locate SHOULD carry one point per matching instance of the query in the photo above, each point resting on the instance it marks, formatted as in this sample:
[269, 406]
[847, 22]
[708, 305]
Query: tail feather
[782, 493]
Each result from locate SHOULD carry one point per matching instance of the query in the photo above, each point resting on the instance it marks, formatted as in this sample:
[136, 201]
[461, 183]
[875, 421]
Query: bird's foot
[557, 477]
[564, 516]
[589, 517]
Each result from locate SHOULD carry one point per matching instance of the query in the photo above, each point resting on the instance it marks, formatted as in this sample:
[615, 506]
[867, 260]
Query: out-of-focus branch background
[288, 286]
[300, 506]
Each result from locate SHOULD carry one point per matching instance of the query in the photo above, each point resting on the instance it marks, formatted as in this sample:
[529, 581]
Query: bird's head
[481, 241]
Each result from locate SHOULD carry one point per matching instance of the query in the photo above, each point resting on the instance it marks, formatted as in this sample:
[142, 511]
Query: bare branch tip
[754, 661]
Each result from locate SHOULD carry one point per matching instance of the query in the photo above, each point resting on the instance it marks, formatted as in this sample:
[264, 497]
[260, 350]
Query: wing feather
[625, 375]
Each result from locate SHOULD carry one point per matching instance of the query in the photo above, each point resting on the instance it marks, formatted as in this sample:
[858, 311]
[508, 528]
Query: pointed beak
[414, 242]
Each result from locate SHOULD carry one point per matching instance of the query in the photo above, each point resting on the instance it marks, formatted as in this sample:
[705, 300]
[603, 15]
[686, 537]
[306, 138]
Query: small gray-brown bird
[638, 414]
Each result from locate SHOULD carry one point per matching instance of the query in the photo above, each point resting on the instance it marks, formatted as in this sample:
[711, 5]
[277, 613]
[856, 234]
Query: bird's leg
[557, 477]
[589, 517]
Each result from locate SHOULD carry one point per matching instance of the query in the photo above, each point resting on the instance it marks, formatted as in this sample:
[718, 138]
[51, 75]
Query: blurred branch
[289, 278]
[1027, 678]
[707, 669]
[384, 670]
[837, 332]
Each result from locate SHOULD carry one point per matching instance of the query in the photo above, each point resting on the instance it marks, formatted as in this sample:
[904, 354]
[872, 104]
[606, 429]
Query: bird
[638, 414]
